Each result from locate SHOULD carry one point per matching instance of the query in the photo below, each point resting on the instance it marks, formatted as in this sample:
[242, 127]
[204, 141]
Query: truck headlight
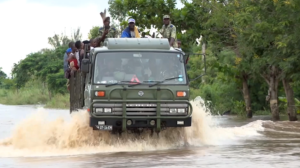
[107, 110]
[181, 110]
[99, 110]
[173, 110]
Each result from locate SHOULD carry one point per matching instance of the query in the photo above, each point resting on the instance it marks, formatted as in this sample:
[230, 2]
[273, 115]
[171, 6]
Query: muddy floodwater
[32, 137]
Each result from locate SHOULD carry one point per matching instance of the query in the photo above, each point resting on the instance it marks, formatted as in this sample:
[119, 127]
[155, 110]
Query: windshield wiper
[116, 83]
[134, 84]
[158, 82]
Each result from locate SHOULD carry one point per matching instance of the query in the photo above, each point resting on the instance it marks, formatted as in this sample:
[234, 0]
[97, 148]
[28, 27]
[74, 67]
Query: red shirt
[74, 60]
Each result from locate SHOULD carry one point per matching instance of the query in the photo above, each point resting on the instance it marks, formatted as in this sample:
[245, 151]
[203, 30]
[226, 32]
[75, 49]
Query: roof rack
[137, 43]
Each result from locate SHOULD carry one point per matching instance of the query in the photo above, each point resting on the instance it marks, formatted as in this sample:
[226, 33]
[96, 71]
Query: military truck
[133, 84]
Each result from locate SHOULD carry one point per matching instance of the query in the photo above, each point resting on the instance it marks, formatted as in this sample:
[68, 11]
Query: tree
[94, 32]
[2, 77]
[143, 11]
[76, 35]
[219, 30]
[269, 26]
[58, 40]
[2, 74]
[44, 65]
[63, 40]
[287, 43]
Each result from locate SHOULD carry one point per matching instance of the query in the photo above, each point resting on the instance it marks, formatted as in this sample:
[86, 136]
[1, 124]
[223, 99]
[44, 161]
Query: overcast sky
[27, 24]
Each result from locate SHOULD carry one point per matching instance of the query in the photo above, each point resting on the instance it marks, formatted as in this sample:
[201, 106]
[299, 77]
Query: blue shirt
[65, 61]
[126, 33]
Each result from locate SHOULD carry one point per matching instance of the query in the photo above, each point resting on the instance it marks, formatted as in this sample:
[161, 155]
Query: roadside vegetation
[251, 49]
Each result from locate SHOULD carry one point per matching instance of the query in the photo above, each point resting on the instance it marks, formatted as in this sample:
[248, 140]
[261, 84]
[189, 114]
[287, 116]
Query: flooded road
[35, 137]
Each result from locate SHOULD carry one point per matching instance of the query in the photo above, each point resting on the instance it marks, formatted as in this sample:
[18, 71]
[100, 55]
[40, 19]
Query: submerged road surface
[35, 137]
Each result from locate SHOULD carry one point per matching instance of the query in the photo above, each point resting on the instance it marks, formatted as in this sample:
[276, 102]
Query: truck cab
[134, 84]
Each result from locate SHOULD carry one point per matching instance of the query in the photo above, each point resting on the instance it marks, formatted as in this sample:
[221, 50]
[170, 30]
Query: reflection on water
[52, 138]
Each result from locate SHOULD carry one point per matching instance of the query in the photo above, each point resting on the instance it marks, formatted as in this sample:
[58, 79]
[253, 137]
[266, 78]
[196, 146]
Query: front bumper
[141, 116]
[109, 123]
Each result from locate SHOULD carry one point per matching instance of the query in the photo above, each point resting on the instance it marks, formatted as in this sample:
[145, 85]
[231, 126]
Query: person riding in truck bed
[107, 31]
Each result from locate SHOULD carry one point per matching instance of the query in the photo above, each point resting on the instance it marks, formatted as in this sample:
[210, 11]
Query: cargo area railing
[76, 83]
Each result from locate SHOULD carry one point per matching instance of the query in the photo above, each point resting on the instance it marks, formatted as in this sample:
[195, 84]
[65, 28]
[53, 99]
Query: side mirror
[85, 65]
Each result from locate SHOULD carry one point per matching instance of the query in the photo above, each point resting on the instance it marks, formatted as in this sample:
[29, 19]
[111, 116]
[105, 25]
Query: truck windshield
[139, 67]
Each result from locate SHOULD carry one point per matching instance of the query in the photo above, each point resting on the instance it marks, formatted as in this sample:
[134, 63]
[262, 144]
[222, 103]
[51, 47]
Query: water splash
[37, 136]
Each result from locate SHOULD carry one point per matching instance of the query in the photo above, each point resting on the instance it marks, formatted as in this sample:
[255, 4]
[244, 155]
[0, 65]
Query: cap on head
[131, 20]
[166, 17]
[69, 50]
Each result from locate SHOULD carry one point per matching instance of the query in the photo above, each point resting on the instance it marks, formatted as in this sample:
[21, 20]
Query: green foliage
[2, 74]
[33, 93]
[59, 101]
[63, 40]
[45, 65]
[76, 35]
[243, 39]
[39, 78]
[56, 82]
[94, 32]
[58, 40]
[284, 101]
[2, 78]
[145, 12]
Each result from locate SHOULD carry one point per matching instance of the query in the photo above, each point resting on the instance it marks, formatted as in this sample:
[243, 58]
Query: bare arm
[172, 41]
[70, 56]
[81, 53]
[102, 34]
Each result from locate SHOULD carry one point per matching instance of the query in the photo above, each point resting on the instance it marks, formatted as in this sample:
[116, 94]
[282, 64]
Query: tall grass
[34, 93]
[59, 102]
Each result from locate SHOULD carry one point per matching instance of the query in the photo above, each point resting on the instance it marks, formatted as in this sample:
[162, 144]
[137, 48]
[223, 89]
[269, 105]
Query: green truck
[133, 84]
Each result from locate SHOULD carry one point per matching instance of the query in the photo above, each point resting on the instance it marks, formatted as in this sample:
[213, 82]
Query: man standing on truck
[106, 31]
[179, 44]
[66, 64]
[131, 31]
[169, 31]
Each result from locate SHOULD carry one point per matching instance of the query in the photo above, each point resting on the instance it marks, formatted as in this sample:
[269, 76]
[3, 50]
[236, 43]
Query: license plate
[104, 127]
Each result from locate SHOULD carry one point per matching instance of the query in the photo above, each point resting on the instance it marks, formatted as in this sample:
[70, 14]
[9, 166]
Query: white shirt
[77, 57]
[132, 34]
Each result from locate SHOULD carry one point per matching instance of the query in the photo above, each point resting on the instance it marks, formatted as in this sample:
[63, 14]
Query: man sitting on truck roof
[106, 31]
[131, 31]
